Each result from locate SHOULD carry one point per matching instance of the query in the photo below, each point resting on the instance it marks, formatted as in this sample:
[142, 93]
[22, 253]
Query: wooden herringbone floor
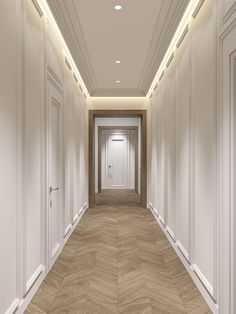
[118, 261]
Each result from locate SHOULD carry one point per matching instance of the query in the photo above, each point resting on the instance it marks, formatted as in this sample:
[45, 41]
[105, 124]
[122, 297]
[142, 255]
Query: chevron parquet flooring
[118, 261]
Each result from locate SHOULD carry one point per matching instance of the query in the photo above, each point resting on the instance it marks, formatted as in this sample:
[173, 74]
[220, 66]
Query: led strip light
[42, 6]
[190, 13]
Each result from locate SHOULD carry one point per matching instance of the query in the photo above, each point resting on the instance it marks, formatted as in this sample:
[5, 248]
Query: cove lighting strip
[43, 6]
[190, 13]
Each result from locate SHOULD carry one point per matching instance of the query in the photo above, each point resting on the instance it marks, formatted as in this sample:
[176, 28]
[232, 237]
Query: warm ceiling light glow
[117, 81]
[186, 19]
[117, 61]
[118, 7]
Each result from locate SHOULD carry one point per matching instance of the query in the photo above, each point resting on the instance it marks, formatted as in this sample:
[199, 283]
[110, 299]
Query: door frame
[117, 128]
[142, 114]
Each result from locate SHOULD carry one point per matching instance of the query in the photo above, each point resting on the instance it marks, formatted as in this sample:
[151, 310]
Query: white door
[117, 161]
[54, 177]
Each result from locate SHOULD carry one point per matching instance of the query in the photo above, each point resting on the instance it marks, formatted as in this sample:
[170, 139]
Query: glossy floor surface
[118, 260]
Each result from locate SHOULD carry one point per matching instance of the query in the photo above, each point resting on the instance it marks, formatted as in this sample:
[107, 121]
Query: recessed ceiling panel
[137, 35]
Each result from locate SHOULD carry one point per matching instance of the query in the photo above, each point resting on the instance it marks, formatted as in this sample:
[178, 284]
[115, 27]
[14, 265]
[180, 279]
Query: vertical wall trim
[21, 226]
[191, 157]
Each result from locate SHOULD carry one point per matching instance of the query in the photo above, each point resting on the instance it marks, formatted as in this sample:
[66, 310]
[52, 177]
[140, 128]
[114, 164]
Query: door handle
[51, 189]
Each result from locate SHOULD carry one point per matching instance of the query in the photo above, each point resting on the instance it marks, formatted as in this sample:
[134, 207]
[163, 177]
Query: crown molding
[65, 13]
[170, 15]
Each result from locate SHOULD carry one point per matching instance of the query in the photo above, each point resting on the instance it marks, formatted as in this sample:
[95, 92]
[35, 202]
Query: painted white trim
[25, 302]
[34, 277]
[67, 229]
[21, 227]
[182, 250]
[12, 309]
[75, 218]
[162, 220]
[55, 250]
[202, 289]
[171, 233]
[203, 279]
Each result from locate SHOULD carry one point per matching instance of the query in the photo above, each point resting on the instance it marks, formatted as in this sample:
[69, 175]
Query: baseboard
[19, 306]
[68, 228]
[34, 277]
[190, 269]
[203, 279]
[171, 232]
[75, 218]
[14, 306]
[182, 250]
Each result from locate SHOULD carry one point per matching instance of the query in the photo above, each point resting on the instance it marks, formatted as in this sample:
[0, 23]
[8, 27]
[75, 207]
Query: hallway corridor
[118, 261]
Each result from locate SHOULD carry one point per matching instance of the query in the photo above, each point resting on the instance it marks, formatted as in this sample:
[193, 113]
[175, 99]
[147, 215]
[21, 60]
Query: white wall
[226, 221]
[32, 62]
[182, 145]
[9, 166]
[110, 122]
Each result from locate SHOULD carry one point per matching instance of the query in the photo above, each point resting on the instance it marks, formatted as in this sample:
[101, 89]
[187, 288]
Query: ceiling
[138, 35]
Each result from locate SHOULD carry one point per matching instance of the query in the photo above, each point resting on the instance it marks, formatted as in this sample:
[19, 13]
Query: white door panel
[54, 175]
[117, 161]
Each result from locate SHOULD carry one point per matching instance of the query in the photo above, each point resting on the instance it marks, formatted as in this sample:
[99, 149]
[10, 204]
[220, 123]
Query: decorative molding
[170, 59]
[56, 102]
[203, 279]
[182, 250]
[171, 233]
[161, 76]
[68, 64]
[227, 152]
[52, 76]
[75, 78]
[68, 22]
[163, 33]
[213, 306]
[20, 213]
[182, 36]
[22, 304]
[229, 13]
[34, 277]
[68, 228]
[162, 220]
[55, 249]
[196, 11]
[37, 7]
[75, 218]
[14, 306]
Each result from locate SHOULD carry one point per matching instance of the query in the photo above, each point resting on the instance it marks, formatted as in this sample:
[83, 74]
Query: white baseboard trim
[67, 230]
[34, 277]
[19, 306]
[75, 218]
[162, 220]
[201, 287]
[25, 302]
[171, 233]
[203, 279]
[182, 250]
[14, 306]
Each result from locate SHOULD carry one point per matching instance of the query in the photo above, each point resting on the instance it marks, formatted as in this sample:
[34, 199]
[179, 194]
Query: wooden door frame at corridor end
[118, 114]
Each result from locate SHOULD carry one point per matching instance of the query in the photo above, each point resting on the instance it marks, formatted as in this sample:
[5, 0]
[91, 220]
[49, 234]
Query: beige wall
[116, 103]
